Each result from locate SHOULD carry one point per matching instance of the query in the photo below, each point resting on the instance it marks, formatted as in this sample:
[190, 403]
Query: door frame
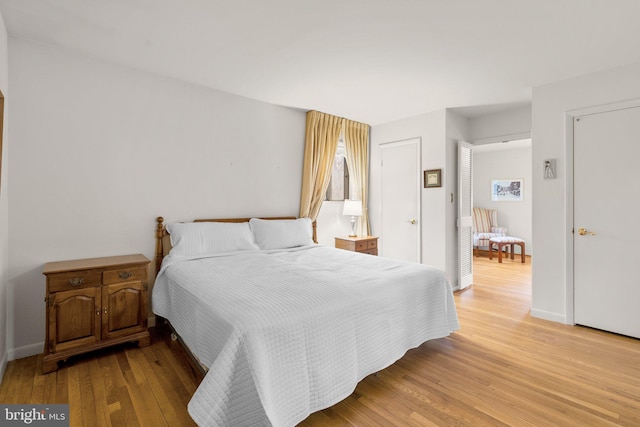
[464, 281]
[416, 140]
[569, 117]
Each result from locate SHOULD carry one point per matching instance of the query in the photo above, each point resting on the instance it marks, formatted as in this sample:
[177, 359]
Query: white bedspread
[287, 333]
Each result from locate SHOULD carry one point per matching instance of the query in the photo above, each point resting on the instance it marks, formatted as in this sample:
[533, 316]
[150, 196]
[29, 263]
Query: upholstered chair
[485, 226]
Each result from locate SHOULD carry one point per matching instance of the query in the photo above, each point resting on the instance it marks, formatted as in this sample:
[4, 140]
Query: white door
[606, 206]
[400, 237]
[465, 219]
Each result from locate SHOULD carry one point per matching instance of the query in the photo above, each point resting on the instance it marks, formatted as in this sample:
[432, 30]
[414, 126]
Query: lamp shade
[352, 208]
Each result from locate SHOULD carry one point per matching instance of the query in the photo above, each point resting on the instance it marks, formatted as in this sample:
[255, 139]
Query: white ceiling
[369, 60]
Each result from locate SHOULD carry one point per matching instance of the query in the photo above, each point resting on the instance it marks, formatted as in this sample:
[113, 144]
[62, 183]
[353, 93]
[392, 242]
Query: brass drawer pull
[125, 274]
[76, 281]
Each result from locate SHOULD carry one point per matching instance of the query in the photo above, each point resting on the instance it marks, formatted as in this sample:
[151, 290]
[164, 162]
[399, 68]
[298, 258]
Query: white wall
[506, 125]
[4, 204]
[504, 164]
[457, 130]
[552, 197]
[331, 223]
[101, 150]
[439, 133]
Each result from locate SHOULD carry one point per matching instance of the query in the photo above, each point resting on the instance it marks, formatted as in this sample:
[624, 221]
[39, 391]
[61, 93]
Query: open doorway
[493, 165]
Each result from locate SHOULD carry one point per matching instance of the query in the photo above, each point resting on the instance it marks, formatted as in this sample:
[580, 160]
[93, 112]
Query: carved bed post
[315, 234]
[159, 248]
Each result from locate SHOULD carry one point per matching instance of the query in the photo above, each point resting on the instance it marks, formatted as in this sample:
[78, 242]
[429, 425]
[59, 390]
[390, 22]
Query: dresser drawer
[124, 275]
[74, 280]
[363, 244]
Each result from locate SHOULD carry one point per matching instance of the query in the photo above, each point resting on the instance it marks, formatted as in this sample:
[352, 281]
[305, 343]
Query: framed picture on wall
[506, 190]
[433, 178]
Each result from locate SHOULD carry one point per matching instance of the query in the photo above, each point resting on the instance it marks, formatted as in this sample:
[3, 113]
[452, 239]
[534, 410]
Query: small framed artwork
[506, 190]
[433, 178]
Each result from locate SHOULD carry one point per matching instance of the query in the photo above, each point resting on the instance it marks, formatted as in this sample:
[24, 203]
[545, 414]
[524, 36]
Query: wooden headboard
[162, 237]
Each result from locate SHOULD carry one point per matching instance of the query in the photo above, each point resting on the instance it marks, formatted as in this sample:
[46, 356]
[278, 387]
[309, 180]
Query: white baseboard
[3, 365]
[26, 351]
[548, 315]
[33, 349]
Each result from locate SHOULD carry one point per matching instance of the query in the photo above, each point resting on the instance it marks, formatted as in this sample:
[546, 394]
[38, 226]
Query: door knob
[413, 221]
[583, 232]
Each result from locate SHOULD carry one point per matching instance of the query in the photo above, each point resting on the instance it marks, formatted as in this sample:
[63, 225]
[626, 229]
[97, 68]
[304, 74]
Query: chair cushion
[482, 239]
[506, 239]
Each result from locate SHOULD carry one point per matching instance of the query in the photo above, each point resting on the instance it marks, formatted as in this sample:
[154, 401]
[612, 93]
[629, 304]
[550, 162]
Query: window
[339, 183]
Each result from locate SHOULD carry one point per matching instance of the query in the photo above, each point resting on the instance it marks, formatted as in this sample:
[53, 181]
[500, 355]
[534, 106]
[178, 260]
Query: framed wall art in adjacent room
[506, 190]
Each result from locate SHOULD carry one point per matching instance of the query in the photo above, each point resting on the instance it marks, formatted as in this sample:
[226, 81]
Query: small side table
[362, 244]
[508, 241]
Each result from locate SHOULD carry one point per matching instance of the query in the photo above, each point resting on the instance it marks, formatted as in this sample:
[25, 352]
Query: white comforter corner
[287, 333]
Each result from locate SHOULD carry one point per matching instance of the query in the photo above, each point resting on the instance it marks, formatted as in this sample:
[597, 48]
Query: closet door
[606, 235]
[400, 237]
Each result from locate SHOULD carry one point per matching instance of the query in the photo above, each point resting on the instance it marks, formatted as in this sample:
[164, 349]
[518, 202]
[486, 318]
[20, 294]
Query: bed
[285, 327]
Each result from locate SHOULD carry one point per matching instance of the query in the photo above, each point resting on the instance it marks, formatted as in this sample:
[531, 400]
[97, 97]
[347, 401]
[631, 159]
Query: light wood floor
[502, 368]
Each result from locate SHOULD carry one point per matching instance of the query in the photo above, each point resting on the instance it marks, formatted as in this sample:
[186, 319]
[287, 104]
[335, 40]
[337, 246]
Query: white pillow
[201, 239]
[282, 233]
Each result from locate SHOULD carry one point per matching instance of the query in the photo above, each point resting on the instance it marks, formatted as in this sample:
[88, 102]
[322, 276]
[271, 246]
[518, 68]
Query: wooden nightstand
[364, 244]
[94, 303]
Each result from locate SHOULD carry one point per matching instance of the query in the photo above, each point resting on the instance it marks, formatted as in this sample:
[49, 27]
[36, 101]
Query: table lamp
[352, 208]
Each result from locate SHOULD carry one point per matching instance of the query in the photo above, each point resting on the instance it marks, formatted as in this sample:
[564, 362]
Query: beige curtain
[321, 140]
[356, 141]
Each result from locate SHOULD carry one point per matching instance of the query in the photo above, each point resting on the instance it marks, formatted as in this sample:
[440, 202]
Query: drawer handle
[124, 275]
[76, 281]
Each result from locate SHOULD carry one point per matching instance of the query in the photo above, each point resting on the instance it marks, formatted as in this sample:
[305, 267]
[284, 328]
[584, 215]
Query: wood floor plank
[121, 411]
[38, 388]
[50, 389]
[144, 402]
[99, 393]
[62, 385]
[76, 413]
[24, 386]
[163, 391]
[164, 379]
[503, 367]
[88, 397]
[178, 374]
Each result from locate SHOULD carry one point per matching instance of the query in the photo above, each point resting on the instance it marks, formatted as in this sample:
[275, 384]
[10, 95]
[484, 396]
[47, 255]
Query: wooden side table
[94, 303]
[363, 244]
